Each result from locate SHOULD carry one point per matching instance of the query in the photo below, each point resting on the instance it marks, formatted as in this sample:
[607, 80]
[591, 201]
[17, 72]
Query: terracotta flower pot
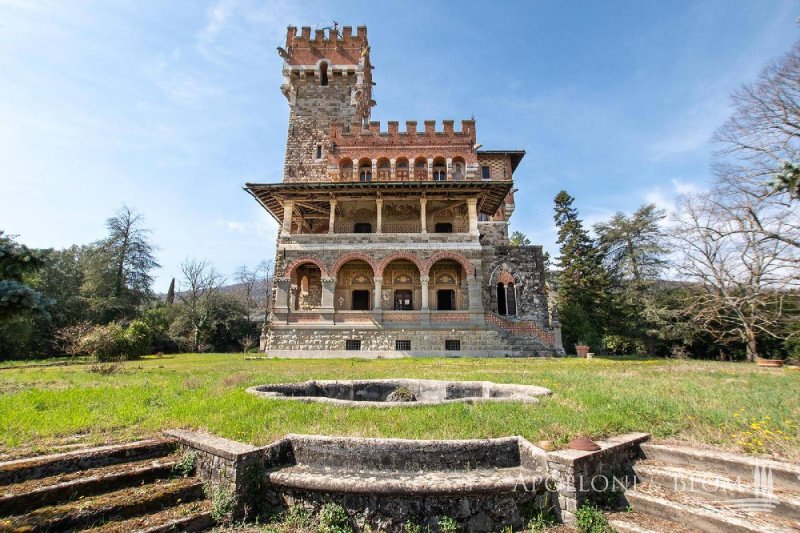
[582, 350]
[769, 363]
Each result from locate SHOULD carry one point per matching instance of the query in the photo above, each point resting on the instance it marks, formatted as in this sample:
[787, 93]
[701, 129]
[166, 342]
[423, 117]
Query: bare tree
[742, 278]
[759, 154]
[248, 281]
[199, 286]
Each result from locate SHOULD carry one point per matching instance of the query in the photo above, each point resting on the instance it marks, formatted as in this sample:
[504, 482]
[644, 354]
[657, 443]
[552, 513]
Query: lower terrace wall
[319, 341]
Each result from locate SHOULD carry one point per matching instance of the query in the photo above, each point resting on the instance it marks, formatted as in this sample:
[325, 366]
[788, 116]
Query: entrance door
[445, 299]
[360, 300]
[403, 300]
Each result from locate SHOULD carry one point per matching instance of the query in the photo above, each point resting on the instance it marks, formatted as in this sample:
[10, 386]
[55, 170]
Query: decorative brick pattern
[521, 327]
[442, 316]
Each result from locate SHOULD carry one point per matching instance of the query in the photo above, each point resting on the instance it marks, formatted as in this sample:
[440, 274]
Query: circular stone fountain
[399, 392]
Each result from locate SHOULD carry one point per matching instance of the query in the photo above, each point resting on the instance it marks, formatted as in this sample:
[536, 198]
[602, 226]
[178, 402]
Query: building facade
[392, 242]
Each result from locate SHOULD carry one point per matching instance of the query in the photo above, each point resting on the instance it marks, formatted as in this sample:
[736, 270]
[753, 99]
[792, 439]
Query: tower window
[323, 74]
[318, 151]
[483, 217]
[486, 173]
[439, 175]
[365, 175]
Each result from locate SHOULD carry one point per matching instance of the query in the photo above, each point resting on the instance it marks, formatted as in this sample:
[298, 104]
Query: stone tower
[393, 241]
[327, 80]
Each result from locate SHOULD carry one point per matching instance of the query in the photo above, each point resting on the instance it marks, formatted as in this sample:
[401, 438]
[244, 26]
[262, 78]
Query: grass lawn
[734, 405]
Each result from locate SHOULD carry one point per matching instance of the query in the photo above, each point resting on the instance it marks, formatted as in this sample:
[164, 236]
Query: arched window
[401, 170]
[346, 169]
[459, 172]
[501, 299]
[439, 169]
[383, 169]
[421, 169]
[365, 170]
[323, 74]
[511, 299]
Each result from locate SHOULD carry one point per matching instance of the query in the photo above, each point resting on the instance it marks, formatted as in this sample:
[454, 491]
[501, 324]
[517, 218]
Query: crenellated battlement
[340, 47]
[393, 135]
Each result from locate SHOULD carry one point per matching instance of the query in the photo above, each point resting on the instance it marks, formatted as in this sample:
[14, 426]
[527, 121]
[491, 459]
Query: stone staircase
[119, 488]
[520, 336]
[682, 489]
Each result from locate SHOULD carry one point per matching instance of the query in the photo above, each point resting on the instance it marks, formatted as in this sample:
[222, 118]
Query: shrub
[447, 525]
[223, 503]
[114, 342]
[104, 342]
[333, 519]
[184, 467]
[621, 345]
[136, 339]
[590, 519]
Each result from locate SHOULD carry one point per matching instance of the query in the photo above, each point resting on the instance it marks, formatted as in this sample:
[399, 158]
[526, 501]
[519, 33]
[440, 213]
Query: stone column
[288, 211]
[425, 317]
[475, 299]
[374, 169]
[393, 169]
[379, 210]
[377, 297]
[281, 309]
[326, 309]
[332, 218]
[430, 169]
[449, 162]
[472, 207]
[423, 215]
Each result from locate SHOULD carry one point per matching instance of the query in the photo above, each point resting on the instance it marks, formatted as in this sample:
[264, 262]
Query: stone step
[716, 487]
[192, 516]
[633, 522]
[688, 511]
[23, 497]
[784, 475]
[433, 482]
[118, 505]
[20, 470]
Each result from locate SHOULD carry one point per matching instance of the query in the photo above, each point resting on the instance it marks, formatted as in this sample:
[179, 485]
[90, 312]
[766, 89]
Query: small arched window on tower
[458, 169]
[439, 169]
[323, 74]
[365, 170]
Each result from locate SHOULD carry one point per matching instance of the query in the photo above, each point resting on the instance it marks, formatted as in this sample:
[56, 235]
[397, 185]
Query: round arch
[401, 255]
[294, 263]
[455, 256]
[354, 256]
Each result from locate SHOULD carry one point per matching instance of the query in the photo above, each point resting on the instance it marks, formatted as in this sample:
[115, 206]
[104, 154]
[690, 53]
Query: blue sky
[172, 106]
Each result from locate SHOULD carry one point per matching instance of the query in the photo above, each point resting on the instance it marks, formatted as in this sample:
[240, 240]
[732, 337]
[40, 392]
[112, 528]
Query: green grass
[734, 405]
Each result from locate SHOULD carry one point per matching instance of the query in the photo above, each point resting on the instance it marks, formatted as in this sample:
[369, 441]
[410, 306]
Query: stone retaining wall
[561, 480]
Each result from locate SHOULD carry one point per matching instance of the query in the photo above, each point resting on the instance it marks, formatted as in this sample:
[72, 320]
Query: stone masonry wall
[315, 107]
[526, 265]
[319, 340]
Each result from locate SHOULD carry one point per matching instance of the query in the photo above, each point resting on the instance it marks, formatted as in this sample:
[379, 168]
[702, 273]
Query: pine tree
[171, 292]
[16, 262]
[582, 280]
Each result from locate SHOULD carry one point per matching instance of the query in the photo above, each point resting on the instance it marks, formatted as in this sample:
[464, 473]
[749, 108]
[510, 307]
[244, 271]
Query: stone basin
[374, 392]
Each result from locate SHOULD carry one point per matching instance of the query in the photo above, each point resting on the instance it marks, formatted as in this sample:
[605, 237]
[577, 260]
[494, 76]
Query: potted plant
[582, 349]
